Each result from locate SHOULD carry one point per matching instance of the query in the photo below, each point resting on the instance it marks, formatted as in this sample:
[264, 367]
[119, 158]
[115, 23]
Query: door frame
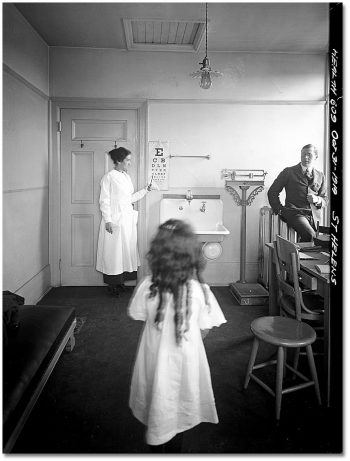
[56, 105]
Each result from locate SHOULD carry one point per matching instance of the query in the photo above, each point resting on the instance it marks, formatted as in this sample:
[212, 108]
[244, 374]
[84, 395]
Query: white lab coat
[117, 252]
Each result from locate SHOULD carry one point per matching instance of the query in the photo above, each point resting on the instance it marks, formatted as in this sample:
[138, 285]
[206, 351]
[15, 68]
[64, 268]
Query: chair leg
[279, 380]
[296, 360]
[313, 371]
[251, 361]
[284, 365]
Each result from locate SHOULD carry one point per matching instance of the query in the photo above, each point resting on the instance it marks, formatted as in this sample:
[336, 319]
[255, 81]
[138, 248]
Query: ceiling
[232, 27]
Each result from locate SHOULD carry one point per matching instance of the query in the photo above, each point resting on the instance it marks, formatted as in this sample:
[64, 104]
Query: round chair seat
[283, 331]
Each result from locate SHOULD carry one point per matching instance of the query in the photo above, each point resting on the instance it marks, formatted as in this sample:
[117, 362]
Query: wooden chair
[287, 330]
[284, 333]
[295, 297]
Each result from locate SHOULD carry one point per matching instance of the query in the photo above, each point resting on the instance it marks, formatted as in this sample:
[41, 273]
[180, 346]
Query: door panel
[86, 138]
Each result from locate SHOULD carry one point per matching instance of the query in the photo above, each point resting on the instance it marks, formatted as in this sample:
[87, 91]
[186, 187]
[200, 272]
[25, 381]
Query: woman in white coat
[117, 254]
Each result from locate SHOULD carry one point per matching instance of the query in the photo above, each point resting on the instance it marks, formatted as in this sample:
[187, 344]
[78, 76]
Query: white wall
[24, 51]
[281, 109]
[25, 159]
[91, 73]
[263, 137]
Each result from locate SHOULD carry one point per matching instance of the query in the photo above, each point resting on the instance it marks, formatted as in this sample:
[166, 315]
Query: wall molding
[12, 191]
[253, 102]
[112, 101]
[31, 278]
[25, 82]
[36, 287]
[95, 103]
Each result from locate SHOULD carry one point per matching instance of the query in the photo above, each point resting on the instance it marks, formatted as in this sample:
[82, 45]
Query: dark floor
[84, 406]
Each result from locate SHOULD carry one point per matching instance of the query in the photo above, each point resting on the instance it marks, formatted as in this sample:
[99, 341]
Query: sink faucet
[202, 208]
[189, 196]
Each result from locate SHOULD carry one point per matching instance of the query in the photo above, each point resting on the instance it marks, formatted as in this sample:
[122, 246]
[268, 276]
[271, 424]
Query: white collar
[304, 168]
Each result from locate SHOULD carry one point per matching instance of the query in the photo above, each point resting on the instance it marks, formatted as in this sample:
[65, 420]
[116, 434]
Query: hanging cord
[206, 30]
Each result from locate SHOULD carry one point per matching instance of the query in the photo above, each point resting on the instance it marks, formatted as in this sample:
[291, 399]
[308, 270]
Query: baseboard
[36, 288]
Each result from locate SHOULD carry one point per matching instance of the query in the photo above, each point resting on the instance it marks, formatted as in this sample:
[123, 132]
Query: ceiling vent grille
[163, 35]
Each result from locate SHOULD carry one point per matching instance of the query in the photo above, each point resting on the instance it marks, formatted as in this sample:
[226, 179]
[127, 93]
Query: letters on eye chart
[158, 163]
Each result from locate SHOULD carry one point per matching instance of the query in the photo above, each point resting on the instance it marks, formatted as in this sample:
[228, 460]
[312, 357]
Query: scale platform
[249, 294]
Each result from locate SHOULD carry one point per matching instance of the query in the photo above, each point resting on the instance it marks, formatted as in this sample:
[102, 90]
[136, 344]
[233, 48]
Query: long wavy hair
[175, 258]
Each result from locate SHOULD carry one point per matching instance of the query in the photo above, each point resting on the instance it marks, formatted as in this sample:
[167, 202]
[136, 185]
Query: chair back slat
[285, 249]
[287, 268]
[286, 288]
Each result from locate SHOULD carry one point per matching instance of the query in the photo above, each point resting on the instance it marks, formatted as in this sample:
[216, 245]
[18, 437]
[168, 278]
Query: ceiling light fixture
[205, 72]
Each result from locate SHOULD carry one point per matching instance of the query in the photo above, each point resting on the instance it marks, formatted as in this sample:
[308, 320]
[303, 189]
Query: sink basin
[212, 235]
[206, 224]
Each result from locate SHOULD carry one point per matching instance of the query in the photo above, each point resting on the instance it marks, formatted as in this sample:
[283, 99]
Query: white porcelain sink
[207, 224]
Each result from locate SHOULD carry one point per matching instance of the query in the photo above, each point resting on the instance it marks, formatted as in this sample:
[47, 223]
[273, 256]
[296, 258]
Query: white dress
[117, 252]
[171, 388]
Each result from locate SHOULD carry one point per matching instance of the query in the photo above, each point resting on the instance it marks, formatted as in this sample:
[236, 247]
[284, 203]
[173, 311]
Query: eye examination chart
[158, 167]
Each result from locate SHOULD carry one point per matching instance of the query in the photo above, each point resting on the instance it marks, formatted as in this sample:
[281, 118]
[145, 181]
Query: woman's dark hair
[119, 154]
[175, 257]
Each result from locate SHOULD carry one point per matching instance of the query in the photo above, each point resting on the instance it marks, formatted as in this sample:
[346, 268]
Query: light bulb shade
[205, 80]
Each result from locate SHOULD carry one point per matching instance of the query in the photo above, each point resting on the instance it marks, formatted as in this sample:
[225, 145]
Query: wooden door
[86, 138]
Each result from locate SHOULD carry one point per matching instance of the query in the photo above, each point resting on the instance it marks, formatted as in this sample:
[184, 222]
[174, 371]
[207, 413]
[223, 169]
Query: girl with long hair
[171, 388]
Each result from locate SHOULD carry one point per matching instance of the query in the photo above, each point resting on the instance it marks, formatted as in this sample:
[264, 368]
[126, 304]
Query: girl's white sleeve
[211, 315]
[137, 305]
[138, 195]
[105, 199]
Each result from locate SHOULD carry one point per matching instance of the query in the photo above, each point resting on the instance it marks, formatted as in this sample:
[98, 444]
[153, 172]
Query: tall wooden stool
[283, 333]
